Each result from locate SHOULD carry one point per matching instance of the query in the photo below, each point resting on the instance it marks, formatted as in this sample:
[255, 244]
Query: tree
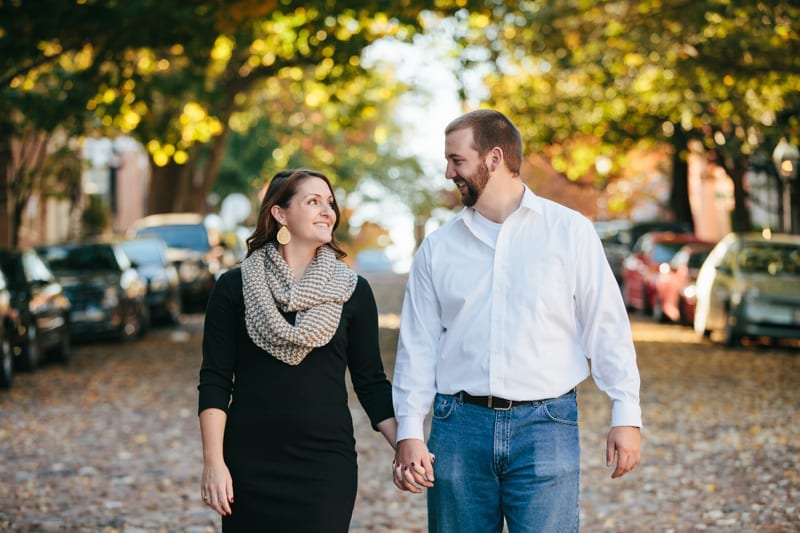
[175, 74]
[627, 72]
[54, 61]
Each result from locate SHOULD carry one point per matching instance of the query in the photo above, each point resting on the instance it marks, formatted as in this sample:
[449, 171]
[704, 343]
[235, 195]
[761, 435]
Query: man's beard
[475, 185]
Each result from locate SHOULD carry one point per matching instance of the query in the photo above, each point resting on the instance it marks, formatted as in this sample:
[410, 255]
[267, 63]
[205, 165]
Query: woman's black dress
[289, 440]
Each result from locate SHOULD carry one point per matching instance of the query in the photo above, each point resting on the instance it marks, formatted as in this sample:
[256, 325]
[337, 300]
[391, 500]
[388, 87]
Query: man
[504, 307]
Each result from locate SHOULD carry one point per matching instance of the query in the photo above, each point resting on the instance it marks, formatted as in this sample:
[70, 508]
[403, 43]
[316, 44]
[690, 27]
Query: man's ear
[495, 158]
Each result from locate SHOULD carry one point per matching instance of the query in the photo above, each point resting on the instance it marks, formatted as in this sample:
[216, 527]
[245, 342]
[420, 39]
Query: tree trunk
[7, 228]
[679, 195]
[165, 188]
[741, 213]
[206, 177]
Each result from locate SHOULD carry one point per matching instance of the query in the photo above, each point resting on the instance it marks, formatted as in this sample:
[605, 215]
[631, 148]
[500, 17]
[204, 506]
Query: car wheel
[732, 338]
[174, 310]
[626, 298]
[646, 307]
[64, 348]
[6, 364]
[30, 356]
[131, 327]
[683, 316]
[658, 312]
[144, 319]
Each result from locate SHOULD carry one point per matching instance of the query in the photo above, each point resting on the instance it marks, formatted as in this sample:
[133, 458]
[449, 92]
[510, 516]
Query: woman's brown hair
[282, 188]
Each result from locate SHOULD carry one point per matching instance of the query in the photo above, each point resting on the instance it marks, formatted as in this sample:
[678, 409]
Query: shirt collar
[529, 201]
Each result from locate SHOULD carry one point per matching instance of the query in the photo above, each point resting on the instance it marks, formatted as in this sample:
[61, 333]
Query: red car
[640, 269]
[675, 284]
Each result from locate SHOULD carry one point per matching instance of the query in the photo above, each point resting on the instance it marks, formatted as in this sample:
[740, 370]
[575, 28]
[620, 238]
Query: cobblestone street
[111, 441]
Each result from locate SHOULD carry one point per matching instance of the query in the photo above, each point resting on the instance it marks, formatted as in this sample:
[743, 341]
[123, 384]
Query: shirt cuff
[626, 414]
[410, 427]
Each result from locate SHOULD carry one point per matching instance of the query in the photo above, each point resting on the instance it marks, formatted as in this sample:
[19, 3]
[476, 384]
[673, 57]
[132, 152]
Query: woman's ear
[277, 213]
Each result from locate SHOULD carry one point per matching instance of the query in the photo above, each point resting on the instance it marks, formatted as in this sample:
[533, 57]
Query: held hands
[624, 448]
[216, 487]
[413, 466]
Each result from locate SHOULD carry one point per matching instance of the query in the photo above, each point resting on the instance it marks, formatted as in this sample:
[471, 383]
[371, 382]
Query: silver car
[749, 286]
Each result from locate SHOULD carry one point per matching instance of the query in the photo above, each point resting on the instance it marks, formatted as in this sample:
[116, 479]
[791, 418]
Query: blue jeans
[522, 464]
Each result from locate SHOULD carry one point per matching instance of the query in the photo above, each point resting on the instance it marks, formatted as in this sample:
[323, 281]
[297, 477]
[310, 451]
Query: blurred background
[136, 139]
[632, 110]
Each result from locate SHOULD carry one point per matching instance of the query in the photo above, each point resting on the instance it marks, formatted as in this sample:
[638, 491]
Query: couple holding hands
[505, 307]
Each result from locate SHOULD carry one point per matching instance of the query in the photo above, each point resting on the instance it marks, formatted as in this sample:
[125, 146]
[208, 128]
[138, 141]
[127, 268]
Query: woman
[280, 332]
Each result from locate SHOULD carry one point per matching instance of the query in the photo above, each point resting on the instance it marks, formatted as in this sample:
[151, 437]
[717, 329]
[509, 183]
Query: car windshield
[81, 258]
[144, 252]
[193, 237]
[664, 251]
[770, 258]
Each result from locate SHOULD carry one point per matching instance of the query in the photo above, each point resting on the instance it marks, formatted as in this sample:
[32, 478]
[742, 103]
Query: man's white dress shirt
[513, 310]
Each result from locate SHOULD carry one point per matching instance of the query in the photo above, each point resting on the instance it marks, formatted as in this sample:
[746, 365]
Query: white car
[749, 286]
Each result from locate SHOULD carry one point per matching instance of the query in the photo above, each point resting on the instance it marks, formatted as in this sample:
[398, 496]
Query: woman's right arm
[220, 335]
[216, 486]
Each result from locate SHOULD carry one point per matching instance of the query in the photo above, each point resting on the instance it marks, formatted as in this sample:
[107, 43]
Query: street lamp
[786, 157]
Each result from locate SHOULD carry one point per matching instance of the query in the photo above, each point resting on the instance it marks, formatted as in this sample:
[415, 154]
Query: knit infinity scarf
[268, 283]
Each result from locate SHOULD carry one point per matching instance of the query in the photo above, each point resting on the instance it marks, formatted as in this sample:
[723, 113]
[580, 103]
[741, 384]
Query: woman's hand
[216, 487]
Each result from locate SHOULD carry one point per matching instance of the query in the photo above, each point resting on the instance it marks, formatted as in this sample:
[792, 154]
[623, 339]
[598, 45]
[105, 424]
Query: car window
[190, 236]
[663, 252]
[770, 258]
[81, 258]
[144, 252]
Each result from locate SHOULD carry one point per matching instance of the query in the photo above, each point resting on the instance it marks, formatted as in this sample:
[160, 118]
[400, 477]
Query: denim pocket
[443, 406]
[563, 410]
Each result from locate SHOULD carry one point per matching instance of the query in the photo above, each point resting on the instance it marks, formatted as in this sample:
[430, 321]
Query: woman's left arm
[388, 429]
[364, 361]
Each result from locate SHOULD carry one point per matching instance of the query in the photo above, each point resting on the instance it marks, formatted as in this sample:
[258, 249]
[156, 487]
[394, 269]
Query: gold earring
[284, 236]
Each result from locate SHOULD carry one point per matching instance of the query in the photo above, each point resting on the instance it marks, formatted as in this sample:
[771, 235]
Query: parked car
[190, 247]
[675, 295]
[620, 236]
[148, 256]
[40, 310]
[6, 329]
[108, 295]
[750, 286]
[640, 268]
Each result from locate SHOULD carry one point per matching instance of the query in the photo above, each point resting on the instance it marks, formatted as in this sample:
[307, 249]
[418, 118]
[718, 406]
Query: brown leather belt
[497, 403]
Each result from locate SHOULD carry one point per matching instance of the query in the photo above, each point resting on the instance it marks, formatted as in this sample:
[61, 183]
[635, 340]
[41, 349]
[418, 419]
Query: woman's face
[309, 216]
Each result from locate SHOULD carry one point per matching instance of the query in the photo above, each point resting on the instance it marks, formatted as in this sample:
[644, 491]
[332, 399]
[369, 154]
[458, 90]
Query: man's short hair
[492, 128]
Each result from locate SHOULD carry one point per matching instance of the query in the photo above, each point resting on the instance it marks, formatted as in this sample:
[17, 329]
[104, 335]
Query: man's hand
[623, 447]
[413, 466]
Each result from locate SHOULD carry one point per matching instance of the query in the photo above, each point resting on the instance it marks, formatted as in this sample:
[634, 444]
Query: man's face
[465, 166]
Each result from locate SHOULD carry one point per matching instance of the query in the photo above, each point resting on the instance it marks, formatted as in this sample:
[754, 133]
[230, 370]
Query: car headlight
[690, 291]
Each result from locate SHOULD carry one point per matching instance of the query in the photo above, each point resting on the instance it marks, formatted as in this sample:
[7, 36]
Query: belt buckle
[506, 408]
